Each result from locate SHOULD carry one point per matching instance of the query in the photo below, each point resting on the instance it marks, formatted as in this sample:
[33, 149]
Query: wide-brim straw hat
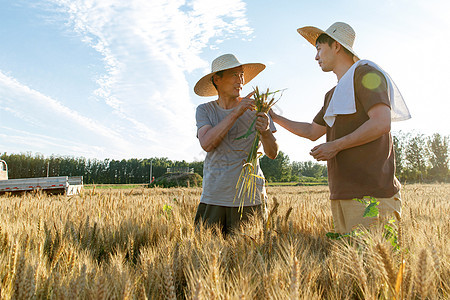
[205, 87]
[339, 31]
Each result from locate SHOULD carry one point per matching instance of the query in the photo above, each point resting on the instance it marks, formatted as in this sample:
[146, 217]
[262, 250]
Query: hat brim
[311, 33]
[205, 88]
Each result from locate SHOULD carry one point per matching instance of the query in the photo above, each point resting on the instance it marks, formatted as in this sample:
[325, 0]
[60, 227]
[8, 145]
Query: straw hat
[339, 31]
[204, 86]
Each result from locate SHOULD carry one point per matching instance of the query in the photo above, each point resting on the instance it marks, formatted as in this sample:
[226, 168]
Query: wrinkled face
[231, 82]
[326, 56]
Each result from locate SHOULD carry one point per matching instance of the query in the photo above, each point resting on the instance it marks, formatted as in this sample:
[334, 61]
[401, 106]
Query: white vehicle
[55, 185]
[3, 170]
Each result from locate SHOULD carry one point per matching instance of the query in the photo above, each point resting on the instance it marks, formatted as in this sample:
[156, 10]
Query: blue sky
[114, 79]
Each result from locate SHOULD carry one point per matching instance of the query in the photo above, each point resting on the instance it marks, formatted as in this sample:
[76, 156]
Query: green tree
[278, 169]
[312, 169]
[415, 157]
[198, 167]
[398, 140]
[439, 150]
[296, 167]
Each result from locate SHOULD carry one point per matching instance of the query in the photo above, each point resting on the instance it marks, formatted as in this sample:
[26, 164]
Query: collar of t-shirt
[343, 100]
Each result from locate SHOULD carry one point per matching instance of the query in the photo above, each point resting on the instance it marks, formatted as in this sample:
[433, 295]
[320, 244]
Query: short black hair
[220, 74]
[326, 39]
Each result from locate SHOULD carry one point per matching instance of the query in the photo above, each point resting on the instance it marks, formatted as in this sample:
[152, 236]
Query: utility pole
[48, 167]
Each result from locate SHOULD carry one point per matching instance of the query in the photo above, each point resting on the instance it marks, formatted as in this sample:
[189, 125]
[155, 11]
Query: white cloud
[41, 143]
[37, 110]
[148, 47]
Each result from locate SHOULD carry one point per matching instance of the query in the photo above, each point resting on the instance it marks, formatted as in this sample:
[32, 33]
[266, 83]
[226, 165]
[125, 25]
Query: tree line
[109, 171]
[419, 158]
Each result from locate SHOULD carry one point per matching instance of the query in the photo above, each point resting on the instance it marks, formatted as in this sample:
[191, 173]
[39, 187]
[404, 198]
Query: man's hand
[262, 122]
[324, 151]
[273, 115]
[245, 103]
[268, 140]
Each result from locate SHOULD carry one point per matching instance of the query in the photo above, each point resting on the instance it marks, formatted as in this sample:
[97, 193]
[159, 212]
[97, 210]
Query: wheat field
[142, 244]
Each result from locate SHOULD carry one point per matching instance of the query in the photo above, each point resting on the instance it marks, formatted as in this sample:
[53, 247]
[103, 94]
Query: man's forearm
[379, 123]
[303, 129]
[270, 144]
[214, 135]
[366, 133]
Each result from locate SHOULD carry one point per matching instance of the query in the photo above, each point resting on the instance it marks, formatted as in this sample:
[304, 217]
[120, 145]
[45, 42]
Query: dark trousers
[227, 218]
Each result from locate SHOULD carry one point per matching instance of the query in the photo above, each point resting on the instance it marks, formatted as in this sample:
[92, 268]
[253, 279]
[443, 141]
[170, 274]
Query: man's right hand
[246, 103]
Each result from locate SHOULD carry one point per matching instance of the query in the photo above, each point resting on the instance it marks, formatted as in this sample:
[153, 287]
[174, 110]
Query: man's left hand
[262, 122]
[324, 151]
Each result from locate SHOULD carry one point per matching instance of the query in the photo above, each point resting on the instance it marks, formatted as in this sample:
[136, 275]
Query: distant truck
[3, 170]
[54, 185]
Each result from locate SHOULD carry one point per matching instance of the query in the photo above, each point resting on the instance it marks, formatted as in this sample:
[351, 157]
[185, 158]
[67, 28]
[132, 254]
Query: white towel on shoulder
[343, 100]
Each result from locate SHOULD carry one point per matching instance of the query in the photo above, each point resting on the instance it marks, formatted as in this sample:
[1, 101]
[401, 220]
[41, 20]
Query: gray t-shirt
[223, 165]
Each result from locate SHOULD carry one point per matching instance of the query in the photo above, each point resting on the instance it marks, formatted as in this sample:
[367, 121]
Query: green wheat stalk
[246, 185]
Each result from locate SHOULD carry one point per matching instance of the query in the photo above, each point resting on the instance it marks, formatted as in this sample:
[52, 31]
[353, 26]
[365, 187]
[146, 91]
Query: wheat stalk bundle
[247, 184]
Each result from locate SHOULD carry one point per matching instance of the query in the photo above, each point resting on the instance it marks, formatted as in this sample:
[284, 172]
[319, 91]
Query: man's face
[231, 82]
[326, 56]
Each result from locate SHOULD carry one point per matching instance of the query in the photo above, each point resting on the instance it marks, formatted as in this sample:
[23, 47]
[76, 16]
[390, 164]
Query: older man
[356, 118]
[219, 123]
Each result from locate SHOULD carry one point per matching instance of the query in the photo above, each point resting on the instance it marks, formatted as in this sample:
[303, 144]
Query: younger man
[356, 118]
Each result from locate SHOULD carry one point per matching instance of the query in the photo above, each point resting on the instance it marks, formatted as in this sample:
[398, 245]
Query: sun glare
[371, 81]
